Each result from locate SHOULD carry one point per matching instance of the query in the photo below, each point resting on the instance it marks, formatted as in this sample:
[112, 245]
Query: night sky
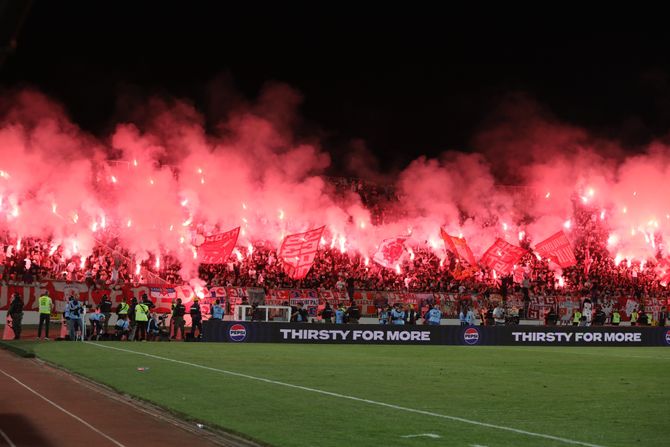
[407, 82]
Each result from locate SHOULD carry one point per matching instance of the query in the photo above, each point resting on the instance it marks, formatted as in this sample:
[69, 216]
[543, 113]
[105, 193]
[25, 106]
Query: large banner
[298, 252]
[313, 299]
[246, 332]
[59, 291]
[459, 247]
[558, 249]
[217, 249]
[390, 252]
[502, 256]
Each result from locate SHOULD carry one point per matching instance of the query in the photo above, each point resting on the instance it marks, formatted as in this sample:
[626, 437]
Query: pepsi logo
[237, 332]
[667, 337]
[471, 336]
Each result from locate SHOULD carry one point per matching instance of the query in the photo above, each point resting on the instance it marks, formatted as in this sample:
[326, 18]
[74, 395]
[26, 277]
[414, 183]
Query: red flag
[390, 252]
[663, 271]
[298, 252]
[459, 247]
[217, 248]
[557, 248]
[502, 256]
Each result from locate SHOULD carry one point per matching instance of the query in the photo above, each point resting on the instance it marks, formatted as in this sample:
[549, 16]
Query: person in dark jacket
[411, 315]
[662, 317]
[178, 312]
[106, 310]
[16, 313]
[327, 313]
[131, 319]
[300, 314]
[551, 317]
[353, 313]
[257, 314]
[196, 318]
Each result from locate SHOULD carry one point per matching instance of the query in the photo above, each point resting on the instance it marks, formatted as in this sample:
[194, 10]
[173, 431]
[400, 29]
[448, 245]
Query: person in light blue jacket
[434, 316]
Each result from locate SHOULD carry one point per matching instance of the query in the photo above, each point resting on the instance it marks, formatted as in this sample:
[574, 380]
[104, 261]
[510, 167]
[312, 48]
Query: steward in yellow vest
[141, 321]
[576, 317]
[45, 306]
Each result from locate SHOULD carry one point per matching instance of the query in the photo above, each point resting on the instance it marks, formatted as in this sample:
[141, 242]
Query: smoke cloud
[158, 181]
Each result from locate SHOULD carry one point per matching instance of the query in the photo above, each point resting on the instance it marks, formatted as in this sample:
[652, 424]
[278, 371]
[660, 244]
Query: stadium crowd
[597, 275]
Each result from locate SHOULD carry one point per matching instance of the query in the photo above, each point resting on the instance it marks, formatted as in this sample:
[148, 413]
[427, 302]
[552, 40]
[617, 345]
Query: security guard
[633, 318]
[141, 320]
[45, 307]
[196, 317]
[178, 312]
[122, 309]
[576, 318]
[616, 317]
[16, 313]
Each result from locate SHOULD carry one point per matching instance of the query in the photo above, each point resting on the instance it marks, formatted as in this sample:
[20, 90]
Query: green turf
[603, 396]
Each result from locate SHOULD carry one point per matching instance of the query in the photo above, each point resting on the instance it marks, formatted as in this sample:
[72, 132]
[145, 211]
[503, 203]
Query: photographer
[217, 310]
[73, 311]
[299, 314]
[397, 315]
[122, 327]
[106, 311]
[154, 329]
[97, 319]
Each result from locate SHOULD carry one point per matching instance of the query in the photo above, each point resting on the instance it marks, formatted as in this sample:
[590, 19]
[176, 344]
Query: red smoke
[157, 183]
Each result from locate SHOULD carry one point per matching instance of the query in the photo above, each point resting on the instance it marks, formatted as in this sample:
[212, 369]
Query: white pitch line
[357, 399]
[425, 435]
[6, 438]
[114, 441]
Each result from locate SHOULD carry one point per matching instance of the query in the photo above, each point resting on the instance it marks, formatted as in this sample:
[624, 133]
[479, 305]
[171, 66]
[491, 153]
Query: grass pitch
[585, 396]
